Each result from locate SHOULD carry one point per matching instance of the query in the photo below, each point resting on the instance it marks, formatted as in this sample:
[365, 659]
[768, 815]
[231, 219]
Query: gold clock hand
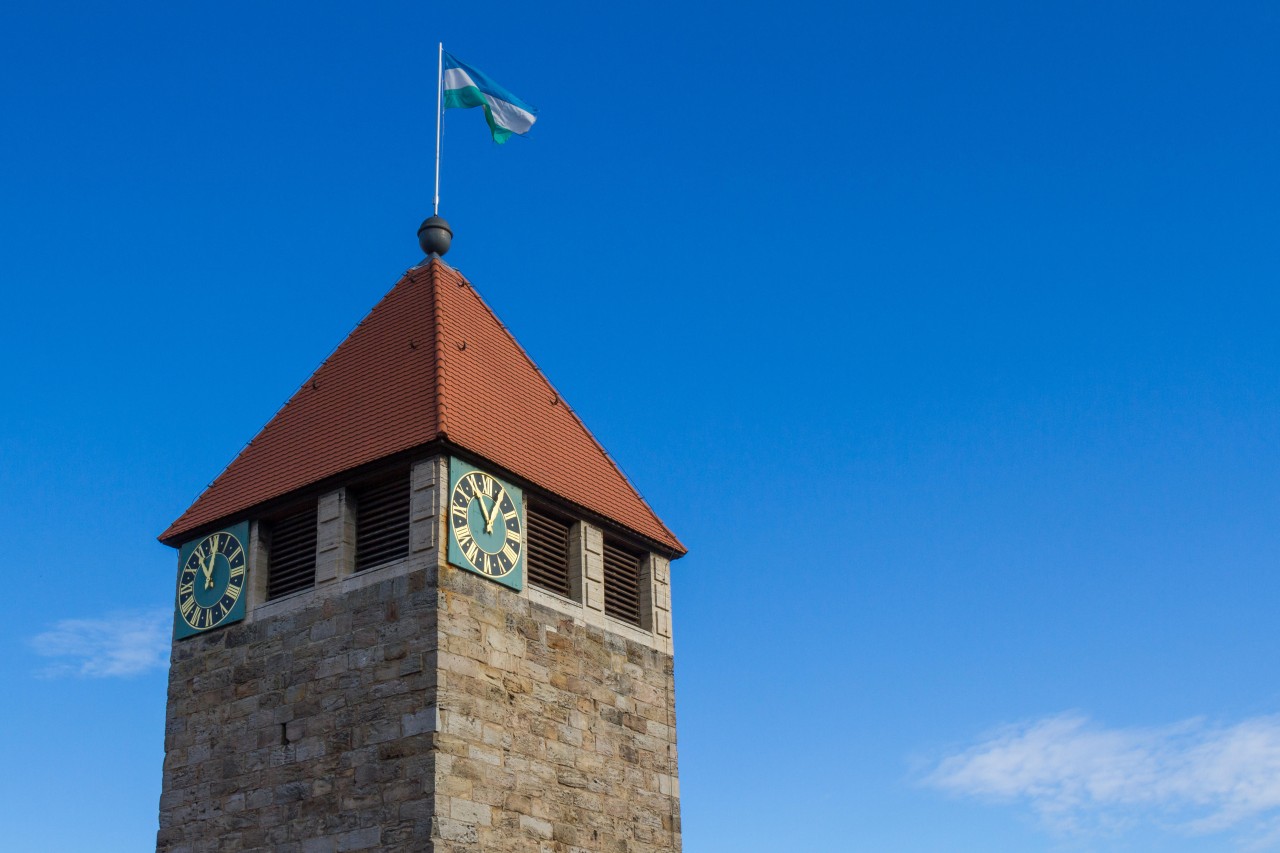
[206, 566]
[488, 516]
[494, 515]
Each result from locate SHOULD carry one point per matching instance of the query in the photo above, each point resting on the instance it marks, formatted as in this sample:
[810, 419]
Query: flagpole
[435, 207]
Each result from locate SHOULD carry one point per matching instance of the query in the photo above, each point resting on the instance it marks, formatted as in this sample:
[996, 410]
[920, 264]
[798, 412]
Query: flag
[465, 86]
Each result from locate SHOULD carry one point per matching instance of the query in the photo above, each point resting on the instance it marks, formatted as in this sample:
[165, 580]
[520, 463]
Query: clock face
[211, 581]
[486, 524]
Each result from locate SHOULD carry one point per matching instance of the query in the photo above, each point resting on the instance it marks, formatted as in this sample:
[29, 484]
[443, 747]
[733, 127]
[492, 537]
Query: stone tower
[422, 610]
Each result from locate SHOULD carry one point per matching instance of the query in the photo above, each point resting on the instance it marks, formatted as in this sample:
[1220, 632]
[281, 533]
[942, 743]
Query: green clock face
[211, 581]
[486, 525]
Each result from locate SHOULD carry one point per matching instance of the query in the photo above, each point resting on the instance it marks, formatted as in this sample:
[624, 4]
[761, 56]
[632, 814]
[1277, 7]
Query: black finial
[434, 236]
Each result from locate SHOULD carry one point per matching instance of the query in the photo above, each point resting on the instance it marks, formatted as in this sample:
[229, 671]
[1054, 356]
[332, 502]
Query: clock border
[513, 579]
[183, 630]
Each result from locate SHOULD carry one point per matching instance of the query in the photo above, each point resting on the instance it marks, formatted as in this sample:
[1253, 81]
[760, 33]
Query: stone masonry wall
[309, 732]
[555, 736]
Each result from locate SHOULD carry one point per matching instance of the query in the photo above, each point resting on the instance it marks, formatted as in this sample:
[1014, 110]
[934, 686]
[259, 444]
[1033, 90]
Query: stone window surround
[336, 575]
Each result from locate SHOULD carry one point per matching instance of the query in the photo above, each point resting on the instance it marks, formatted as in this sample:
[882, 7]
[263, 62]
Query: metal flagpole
[435, 207]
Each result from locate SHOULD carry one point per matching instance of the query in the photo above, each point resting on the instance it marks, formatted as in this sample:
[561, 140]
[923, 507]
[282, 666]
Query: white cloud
[1194, 777]
[121, 644]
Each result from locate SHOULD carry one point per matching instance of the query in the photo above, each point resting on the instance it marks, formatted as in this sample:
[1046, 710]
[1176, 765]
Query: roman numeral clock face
[211, 581]
[486, 525]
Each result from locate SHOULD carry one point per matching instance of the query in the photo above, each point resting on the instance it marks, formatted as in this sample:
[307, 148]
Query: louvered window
[547, 554]
[292, 555]
[382, 521]
[621, 582]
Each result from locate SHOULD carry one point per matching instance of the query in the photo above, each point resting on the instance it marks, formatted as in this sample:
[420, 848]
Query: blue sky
[945, 337]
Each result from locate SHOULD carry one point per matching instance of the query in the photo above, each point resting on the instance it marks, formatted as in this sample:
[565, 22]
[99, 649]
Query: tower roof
[431, 363]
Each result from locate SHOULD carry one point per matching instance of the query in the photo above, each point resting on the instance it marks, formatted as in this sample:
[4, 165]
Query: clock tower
[422, 610]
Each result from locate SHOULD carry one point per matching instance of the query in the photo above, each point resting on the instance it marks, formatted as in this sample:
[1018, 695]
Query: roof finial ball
[434, 236]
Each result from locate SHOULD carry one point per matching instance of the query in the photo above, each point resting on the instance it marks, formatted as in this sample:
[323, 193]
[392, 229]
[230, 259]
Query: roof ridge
[560, 400]
[383, 391]
[437, 329]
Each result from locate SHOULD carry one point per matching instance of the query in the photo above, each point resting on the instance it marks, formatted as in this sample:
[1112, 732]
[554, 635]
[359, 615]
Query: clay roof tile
[430, 362]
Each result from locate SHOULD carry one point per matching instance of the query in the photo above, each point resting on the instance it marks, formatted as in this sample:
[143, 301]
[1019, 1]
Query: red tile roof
[430, 362]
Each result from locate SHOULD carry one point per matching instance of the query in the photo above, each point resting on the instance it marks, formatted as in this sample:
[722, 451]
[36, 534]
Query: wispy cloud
[1194, 776]
[121, 644]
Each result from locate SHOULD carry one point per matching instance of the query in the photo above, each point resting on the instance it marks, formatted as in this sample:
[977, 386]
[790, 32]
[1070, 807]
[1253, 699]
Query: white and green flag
[465, 86]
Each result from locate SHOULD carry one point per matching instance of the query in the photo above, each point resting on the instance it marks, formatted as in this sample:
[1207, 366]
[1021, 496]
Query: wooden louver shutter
[382, 522]
[292, 557]
[547, 554]
[621, 582]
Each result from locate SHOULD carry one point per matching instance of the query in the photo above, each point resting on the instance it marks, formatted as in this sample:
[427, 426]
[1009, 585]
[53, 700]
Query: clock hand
[484, 513]
[206, 566]
[496, 501]
[491, 516]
